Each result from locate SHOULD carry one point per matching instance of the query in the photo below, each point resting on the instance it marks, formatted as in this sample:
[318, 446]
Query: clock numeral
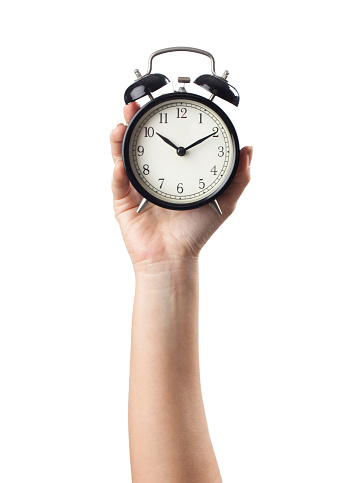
[148, 132]
[180, 188]
[163, 116]
[181, 112]
[140, 150]
[200, 118]
[201, 184]
[146, 169]
[215, 129]
[162, 181]
[221, 151]
[214, 171]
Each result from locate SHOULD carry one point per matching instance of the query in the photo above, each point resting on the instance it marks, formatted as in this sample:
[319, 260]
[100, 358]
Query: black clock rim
[125, 150]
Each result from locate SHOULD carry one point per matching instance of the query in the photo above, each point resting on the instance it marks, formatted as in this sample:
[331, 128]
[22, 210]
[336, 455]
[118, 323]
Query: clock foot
[215, 206]
[142, 205]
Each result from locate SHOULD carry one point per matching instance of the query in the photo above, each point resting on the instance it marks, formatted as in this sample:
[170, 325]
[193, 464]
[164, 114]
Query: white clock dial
[167, 158]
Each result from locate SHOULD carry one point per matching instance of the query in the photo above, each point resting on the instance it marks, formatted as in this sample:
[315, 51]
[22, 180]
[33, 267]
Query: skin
[168, 433]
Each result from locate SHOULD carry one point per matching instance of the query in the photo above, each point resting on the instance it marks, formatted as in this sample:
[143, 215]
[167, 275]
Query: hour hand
[167, 141]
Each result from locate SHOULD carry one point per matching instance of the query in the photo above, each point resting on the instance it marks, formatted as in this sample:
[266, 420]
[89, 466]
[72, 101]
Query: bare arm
[168, 432]
[169, 438]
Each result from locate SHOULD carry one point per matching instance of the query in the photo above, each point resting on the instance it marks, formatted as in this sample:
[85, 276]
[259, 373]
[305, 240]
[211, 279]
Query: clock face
[180, 151]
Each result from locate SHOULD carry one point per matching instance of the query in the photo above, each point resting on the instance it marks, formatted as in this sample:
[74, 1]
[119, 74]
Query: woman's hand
[158, 234]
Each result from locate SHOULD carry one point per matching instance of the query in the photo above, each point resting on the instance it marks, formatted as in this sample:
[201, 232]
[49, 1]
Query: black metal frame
[138, 116]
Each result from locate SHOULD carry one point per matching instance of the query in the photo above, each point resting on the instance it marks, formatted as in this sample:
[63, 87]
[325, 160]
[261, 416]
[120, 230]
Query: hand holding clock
[159, 235]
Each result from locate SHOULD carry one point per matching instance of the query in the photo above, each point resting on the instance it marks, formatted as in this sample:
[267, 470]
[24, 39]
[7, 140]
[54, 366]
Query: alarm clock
[180, 150]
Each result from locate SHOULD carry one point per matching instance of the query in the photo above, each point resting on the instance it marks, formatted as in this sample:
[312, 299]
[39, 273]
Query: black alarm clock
[180, 150]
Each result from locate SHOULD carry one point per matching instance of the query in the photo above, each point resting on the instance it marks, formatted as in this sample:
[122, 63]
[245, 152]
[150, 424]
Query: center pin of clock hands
[182, 151]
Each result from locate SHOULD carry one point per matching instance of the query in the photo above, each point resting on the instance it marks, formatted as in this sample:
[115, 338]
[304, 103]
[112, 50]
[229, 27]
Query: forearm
[169, 438]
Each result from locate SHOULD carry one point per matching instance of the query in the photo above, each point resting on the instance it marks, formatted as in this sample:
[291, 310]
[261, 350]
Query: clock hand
[199, 141]
[167, 141]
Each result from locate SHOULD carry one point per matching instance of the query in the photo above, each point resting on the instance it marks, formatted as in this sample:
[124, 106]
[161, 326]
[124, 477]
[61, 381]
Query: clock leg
[142, 205]
[215, 206]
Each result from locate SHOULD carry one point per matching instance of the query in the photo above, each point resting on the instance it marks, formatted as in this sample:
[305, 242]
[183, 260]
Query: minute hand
[200, 141]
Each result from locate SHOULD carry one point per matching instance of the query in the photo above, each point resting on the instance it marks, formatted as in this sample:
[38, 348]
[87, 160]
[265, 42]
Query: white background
[278, 306]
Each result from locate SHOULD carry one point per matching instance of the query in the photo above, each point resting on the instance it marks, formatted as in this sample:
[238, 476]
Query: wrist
[167, 272]
[162, 265]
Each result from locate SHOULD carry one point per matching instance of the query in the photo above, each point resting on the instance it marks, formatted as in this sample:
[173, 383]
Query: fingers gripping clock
[180, 150]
